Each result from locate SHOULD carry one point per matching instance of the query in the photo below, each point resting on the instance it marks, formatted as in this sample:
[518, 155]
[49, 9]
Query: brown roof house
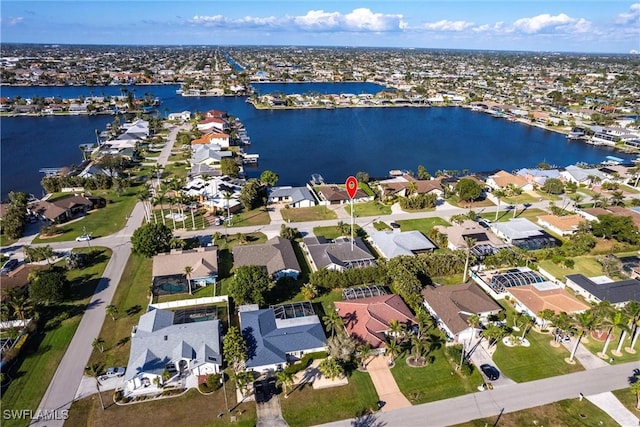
[18, 279]
[452, 306]
[334, 195]
[504, 179]
[276, 256]
[532, 299]
[485, 242]
[401, 185]
[368, 319]
[65, 208]
[169, 275]
[562, 225]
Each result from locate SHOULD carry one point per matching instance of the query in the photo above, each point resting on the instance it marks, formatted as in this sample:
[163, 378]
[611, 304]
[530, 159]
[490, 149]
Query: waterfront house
[503, 179]
[184, 116]
[406, 184]
[592, 214]
[295, 197]
[368, 319]
[210, 154]
[453, 305]
[213, 193]
[168, 271]
[218, 138]
[280, 334]
[213, 124]
[561, 225]
[276, 256]
[391, 244]
[339, 254]
[538, 176]
[162, 344]
[585, 176]
[334, 195]
[602, 288]
[65, 208]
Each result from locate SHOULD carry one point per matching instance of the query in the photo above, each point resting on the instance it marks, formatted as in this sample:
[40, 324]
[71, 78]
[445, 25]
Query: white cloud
[15, 21]
[358, 20]
[630, 17]
[541, 22]
[446, 25]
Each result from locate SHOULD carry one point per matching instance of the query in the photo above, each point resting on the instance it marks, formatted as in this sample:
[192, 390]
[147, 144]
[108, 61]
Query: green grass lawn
[192, 408]
[455, 201]
[306, 406]
[587, 265]
[40, 357]
[232, 240]
[520, 199]
[595, 346]
[570, 412]
[100, 222]
[131, 298]
[435, 381]
[247, 218]
[374, 208]
[531, 214]
[313, 213]
[380, 226]
[333, 232]
[423, 225]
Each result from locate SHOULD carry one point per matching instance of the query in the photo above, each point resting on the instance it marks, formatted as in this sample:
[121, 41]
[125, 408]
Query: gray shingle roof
[158, 341]
[275, 255]
[393, 244]
[296, 194]
[273, 339]
[614, 292]
[338, 252]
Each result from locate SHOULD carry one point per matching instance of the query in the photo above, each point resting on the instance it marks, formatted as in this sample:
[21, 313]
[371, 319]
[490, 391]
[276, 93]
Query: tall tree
[98, 344]
[94, 372]
[284, 379]
[269, 178]
[235, 348]
[584, 323]
[333, 322]
[187, 274]
[112, 311]
[151, 239]
[331, 368]
[250, 284]
[49, 286]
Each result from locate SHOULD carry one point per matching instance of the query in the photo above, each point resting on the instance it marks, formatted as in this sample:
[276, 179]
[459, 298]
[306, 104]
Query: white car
[83, 238]
[113, 373]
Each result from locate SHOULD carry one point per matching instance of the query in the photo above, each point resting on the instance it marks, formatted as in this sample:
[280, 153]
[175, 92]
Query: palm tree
[170, 199]
[617, 320]
[632, 311]
[473, 321]
[187, 273]
[98, 343]
[21, 306]
[363, 353]
[112, 311]
[143, 196]
[284, 379]
[412, 188]
[397, 330]
[424, 320]
[493, 333]
[418, 346]
[576, 199]
[546, 315]
[597, 200]
[469, 242]
[584, 323]
[309, 291]
[331, 368]
[634, 387]
[227, 195]
[94, 371]
[161, 197]
[216, 236]
[333, 322]
[617, 198]
[527, 324]
[498, 194]
[394, 349]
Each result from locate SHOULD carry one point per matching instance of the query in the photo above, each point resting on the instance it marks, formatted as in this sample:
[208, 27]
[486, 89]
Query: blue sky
[548, 25]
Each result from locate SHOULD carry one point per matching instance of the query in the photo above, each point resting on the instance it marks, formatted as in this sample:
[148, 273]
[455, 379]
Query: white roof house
[516, 229]
[582, 176]
[392, 244]
[296, 197]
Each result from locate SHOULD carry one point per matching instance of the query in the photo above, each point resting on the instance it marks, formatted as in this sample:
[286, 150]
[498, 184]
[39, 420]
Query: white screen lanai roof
[518, 228]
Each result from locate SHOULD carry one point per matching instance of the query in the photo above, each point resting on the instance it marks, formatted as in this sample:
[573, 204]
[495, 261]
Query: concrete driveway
[270, 414]
[385, 384]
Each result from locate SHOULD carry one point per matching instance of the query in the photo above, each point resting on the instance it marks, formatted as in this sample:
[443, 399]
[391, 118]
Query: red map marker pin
[352, 186]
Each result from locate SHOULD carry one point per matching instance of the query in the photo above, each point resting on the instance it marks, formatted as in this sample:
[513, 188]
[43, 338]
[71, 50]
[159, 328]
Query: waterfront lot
[374, 208]
[247, 218]
[99, 222]
[40, 357]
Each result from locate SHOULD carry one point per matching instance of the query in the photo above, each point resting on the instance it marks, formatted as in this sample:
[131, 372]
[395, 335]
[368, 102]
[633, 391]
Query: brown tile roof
[368, 319]
[455, 304]
[275, 255]
[504, 178]
[334, 193]
[615, 210]
[203, 261]
[564, 223]
[17, 278]
[556, 299]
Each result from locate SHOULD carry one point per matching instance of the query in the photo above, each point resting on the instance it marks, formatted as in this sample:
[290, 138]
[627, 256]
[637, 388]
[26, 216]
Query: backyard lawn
[570, 412]
[41, 355]
[436, 381]
[587, 265]
[306, 406]
[192, 409]
[374, 208]
[99, 222]
[313, 213]
[423, 225]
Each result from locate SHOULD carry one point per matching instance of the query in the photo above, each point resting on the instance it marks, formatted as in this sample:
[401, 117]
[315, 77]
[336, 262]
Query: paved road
[510, 398]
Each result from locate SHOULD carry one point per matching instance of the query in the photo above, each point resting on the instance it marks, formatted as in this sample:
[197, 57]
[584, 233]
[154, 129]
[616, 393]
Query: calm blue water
[296, 143]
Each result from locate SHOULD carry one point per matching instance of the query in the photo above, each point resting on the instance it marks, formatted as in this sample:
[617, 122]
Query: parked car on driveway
[83, 238]
[113, 373]
[9, 266]
[490, 372]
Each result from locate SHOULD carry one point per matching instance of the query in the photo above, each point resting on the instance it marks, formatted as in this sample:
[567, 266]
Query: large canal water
[296, 143]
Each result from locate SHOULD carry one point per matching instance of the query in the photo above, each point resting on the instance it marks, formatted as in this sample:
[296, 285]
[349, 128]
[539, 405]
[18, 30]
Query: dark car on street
[490, 372]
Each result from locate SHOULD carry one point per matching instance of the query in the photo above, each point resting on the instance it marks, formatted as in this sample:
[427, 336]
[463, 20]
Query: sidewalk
[612, 406]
